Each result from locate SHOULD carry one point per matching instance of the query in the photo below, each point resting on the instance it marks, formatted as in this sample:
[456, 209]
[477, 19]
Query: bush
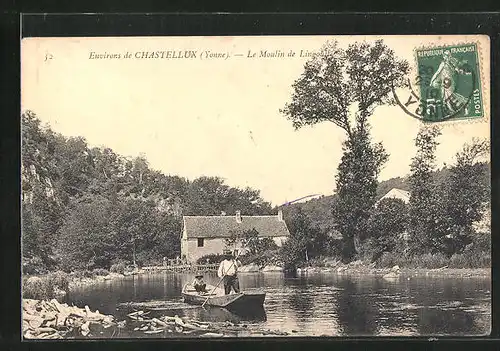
[59, 280]
[317, 262]
[470, 259]
[118, 267]
[77, 274]
[267, 258]
[88, 274]
[100, 272]
[33, 265]
[430, 261]
[388, 259]
[211, 258]
[83, 274]
[37, 288]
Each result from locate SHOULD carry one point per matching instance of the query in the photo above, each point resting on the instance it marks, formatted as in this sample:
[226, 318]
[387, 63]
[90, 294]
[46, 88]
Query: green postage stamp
[447, 84]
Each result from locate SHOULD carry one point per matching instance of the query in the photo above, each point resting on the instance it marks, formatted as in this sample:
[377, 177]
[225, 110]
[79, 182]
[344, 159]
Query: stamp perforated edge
[485, 91]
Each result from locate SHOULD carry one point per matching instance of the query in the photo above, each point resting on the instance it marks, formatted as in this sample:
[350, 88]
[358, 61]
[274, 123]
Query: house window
[200, 242]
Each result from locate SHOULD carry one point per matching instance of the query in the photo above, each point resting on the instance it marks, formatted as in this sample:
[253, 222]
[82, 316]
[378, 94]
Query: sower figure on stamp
[446, 80]
[228, 271]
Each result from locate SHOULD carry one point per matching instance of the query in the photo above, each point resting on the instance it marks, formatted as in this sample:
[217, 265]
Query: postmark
[445, 84]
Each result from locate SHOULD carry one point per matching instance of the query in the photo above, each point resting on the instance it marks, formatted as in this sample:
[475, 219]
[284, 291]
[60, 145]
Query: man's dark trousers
[231, 281]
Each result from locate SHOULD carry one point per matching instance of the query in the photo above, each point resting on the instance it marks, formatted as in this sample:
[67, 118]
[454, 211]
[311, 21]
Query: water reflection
[216, 314]
[321, 304]
[357, 314]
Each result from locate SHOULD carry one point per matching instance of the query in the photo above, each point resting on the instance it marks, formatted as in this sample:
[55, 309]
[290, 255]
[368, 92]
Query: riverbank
[57, 284]
[77, 281]
[401, 272]
[331, 266]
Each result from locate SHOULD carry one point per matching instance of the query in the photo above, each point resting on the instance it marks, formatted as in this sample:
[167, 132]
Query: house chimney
[280, 215]
[238, 216]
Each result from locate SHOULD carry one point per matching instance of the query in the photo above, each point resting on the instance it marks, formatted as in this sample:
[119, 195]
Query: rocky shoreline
[77, 282]
[49, 319]
[404, 272]
[356, 268]
[44, 319]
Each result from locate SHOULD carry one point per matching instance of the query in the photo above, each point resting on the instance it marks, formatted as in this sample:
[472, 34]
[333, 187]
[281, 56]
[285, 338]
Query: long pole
[222, 278]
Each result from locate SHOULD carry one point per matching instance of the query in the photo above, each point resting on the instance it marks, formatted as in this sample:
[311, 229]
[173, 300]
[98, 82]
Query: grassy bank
[404, 272]
[424, 265]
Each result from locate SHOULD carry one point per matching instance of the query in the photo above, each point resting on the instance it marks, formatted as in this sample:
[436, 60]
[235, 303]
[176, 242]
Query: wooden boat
[235, 301]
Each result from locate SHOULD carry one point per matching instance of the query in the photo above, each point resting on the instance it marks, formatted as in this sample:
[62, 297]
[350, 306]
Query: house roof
[222, 226]
[396, 193]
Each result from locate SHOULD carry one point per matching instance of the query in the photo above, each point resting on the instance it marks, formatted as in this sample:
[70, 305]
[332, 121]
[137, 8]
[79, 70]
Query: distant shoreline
[404, 272]
[361, 271]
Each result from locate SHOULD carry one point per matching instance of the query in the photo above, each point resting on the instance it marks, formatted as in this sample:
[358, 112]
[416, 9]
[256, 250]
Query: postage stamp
[447, 84]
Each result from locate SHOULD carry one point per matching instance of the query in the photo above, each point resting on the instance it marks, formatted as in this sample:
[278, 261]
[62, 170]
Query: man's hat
[199, 276]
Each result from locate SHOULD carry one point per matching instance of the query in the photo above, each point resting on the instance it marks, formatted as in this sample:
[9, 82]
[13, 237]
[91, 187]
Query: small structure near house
[204, 235]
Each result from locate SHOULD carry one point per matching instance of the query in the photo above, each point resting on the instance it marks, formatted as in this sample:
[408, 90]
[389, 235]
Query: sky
[218, 116]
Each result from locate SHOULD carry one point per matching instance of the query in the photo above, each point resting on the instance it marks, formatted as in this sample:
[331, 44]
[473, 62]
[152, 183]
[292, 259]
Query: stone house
[204, 235]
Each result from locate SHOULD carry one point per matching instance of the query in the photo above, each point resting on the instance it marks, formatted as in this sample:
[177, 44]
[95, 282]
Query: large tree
[467, 193]
[427, 226]
[344, 86]
[306, 241]
[388, 221]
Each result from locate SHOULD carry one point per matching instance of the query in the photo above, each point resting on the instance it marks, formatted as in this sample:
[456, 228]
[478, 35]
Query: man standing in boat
[228, 271]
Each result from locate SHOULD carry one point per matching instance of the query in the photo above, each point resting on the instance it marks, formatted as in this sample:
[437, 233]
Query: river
[314, 305]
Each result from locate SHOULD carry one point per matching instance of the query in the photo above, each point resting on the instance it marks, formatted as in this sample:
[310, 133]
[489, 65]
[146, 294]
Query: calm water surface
[314, 305]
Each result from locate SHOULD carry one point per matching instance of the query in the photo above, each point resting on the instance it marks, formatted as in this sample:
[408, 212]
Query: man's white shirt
[227, 268]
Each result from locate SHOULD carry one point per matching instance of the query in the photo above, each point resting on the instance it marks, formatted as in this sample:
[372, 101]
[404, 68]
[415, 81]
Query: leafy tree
[427, 227]
[250, 240]
[108, 177]
[210, 196]
[387, 222]
[335, 82]
[305, 241]
[256, 245]
[356, 189]
[467, 193]
[88, 238]
[233, 238]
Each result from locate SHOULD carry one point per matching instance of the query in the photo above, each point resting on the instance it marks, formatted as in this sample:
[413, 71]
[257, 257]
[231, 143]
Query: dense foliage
[335, 82]
[427, 230]
[306, 241]
[457, 234]
[344, 86]
[387, 223]
[87, 207]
